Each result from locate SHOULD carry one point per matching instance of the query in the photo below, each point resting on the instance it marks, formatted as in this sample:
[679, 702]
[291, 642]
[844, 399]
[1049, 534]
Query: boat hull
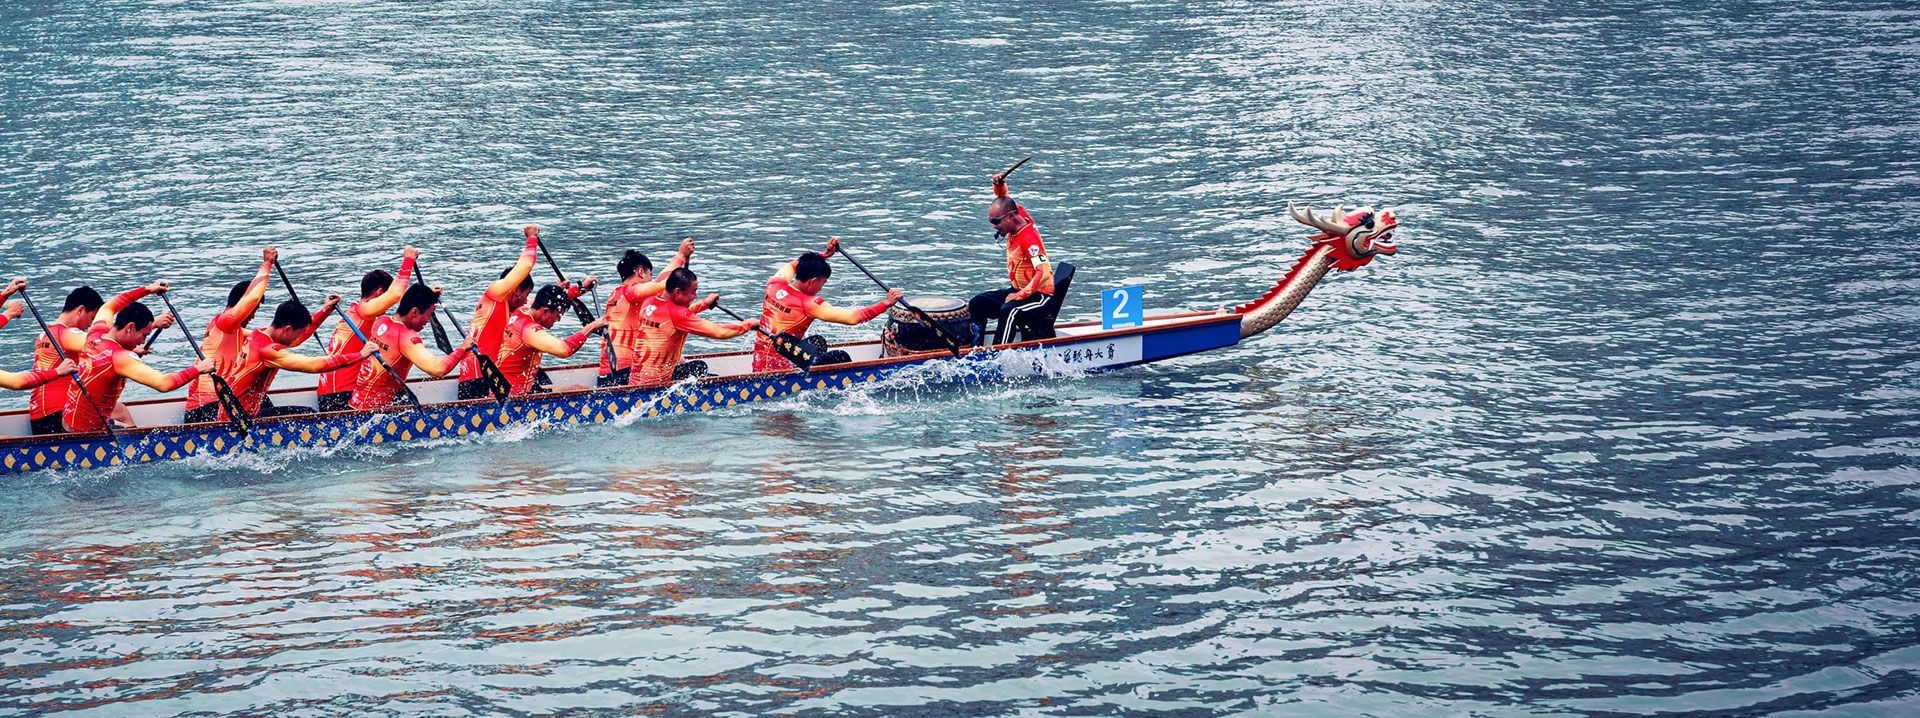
[1067, 354]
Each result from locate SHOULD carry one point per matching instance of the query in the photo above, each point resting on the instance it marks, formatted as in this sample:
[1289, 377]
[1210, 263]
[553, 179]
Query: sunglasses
[995, 221]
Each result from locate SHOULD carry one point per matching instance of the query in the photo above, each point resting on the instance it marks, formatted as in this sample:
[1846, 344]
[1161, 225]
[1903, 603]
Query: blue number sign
[1121, 307]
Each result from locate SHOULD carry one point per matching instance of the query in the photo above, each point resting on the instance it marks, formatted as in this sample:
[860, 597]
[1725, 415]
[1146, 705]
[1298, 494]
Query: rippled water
[1628, 428]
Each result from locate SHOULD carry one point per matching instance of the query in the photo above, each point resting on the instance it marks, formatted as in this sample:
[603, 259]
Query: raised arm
[499, 290]
[230, 319]
[319, 317]
[379, 305]
[113, 306]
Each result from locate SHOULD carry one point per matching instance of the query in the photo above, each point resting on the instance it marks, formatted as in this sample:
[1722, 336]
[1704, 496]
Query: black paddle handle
[287, 282]
[738, 318]
[62, 352]
[580, 310]
[240, 419]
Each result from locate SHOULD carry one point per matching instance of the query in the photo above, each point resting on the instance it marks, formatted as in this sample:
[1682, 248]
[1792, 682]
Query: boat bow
[1345, 241]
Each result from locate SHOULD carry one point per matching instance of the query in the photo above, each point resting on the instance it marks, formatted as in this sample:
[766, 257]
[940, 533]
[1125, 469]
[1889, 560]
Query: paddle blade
[496, 380]
[440, 336]
[581, 312]
[796, 351]
[230, 401]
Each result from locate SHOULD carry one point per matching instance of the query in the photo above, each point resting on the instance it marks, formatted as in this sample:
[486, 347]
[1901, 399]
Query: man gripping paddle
[225, 336]
[527, 339]
[489, 326]
[379, 291]
[265, 352]
[402, 348]
[110, 361]
[793, 302]
[665, 322]
[638, 283]
[1028, 270]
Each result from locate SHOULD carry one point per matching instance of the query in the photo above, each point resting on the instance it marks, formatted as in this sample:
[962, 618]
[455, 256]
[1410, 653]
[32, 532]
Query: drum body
[906, 333]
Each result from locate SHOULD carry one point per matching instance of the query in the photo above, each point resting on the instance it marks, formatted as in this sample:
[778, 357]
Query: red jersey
[376, 388]
[224, 335]
[104, 372]
[664, 327]
[362, 313]
[623, 318]
[51, 397]
[1026, 256]
[490, 315]
[789, 310]
[525, 341]
[262, 358]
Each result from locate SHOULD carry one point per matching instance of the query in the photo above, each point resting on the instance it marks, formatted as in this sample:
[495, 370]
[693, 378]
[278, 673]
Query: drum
[906, 333]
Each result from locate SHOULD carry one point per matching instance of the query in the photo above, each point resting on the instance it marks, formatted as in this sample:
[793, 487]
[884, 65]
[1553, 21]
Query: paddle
[489, 371]
[953, 345]
[1016, 165]
[97, 411]
[344, 319]
[580, 310]
[236, 412]
[799, 353]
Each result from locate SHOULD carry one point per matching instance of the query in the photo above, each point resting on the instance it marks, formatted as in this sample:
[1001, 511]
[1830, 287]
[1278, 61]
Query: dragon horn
[1308, 219]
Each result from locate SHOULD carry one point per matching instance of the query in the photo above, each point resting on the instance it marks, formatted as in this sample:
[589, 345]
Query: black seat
[1039, 324]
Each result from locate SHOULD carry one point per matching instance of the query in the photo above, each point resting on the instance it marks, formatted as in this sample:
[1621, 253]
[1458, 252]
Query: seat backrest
[1062, 279]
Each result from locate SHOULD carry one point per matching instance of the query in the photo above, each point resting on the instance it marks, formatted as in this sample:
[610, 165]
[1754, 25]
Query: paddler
[379, 291]
[109, 360]
[1028, 271]
[49, 400]
[225, 335]
[527, 338]
[793, 302]
[489, 325]
[264, 353]
[399, 337]
[637, 284]
[34, 378]
[665, 322]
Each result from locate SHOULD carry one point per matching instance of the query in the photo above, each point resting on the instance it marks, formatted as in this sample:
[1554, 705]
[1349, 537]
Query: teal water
[1628, 427]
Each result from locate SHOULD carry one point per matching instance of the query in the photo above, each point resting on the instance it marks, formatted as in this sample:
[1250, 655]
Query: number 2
[1120, 310]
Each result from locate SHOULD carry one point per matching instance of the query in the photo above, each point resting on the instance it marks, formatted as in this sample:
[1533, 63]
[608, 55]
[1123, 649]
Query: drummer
[793, 302]
[1028, 271]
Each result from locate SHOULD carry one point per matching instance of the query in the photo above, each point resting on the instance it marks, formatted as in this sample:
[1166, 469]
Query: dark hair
[526, 283]
[292, 314]
[418, 297]
[376, 282]
[83, 296]
[812, 266]
[136, 314]
[1003, 205]
[681, 278]
[238, 291]
[631, 262]
[552, 297]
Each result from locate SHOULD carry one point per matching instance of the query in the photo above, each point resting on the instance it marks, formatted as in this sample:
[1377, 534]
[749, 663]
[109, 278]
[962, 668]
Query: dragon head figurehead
[1356, 237]
[1345, 241]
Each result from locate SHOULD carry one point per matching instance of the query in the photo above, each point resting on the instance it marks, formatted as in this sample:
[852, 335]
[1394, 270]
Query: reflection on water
[1625, 429]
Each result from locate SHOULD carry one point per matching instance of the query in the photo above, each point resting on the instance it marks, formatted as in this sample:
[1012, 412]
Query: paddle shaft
[953, 345]
[580, 310]
[235, 409]
[793, 354]
[57, 349]
[344, 319]
[1016, 165]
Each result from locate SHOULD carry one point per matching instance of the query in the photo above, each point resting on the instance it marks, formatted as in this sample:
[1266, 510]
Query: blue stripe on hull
[456, 421]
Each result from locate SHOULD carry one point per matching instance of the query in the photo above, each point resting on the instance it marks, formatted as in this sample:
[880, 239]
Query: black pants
[1012, 314]
[473, 389]
[49, 425]
[211, 412]
[336, 401]
[691, 369]
[204, 413]
[825, 356]
[619, 377]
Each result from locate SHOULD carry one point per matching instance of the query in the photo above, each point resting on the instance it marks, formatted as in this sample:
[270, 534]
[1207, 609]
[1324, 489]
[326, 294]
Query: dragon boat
[1344, 241]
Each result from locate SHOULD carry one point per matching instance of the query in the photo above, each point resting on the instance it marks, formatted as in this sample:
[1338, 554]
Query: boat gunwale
[1190, 319]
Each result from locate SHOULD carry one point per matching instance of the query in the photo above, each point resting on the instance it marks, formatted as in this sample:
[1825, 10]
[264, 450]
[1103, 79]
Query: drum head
[940, 308]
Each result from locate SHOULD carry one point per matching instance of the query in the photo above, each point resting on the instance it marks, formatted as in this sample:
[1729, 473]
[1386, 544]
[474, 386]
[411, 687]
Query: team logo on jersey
[782, 294]
[650, 309]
